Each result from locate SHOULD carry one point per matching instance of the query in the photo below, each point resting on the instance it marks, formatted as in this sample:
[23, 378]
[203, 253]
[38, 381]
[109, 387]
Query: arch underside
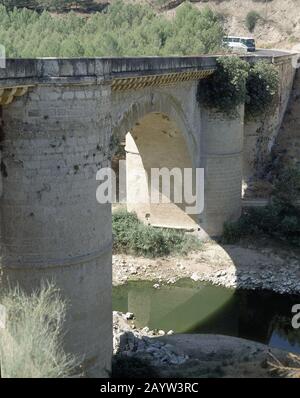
[157, 136]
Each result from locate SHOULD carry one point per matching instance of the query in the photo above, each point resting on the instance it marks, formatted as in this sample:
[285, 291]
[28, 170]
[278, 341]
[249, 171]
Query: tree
[225, 90]
[122, 29]
[251, 20]
[262, 88]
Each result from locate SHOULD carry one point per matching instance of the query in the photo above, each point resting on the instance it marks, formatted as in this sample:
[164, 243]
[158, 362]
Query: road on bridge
[270, 53]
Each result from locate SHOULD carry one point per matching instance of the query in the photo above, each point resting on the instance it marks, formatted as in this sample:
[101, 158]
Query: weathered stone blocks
[52, 227]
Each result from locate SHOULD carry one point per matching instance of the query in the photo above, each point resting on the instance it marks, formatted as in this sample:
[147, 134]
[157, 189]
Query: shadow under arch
[158, 136]
[157, 102]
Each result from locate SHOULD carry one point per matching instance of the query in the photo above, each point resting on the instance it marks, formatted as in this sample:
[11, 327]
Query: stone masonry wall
[260, 135]
[52, 227]
[287, 145]
[222, 155]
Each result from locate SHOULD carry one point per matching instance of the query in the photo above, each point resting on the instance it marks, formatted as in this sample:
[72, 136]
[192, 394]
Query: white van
[240, 43]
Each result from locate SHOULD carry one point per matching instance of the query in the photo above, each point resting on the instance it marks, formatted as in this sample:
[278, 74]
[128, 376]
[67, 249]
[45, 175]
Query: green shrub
[132, 236]
[124, 224]
[30, 345]
[262, 88]
[225, 90]
[279, 220]
[149, 241]
[235, 82]
[287, 186]
[232, 232]
[271, 221]
[251, 20]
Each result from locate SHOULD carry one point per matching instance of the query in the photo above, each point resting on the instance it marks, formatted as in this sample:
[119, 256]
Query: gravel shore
[230, 266]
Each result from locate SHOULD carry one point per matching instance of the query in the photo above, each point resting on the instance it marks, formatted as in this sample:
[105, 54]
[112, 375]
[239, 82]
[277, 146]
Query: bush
[287, 186]
[235, 82]
[148, 241]
[225, 90]
[124, 224]
[30, 344]
[132, 236]
[262, 88]
[251, 20]
[279, 220]
[272, 221]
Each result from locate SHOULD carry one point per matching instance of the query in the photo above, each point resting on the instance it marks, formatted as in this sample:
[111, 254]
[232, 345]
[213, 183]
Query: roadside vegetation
[121, 29]
[251, 20]
[235, 83]
[225, 90]
[262, 88]
[30, 344]
[279, 220]
[131, 236]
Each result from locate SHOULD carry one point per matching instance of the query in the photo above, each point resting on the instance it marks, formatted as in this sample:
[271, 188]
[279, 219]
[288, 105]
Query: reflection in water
[189, 307]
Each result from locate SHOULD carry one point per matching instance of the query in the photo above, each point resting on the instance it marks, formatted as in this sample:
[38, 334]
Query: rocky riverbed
[131, 342]
[231, 266]
[148, 353]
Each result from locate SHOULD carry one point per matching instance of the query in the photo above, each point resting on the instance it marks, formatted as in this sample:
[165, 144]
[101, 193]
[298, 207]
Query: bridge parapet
[122, 73]
[68, 70]
[114, 67]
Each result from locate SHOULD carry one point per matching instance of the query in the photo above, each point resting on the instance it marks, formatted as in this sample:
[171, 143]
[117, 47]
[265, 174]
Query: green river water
[193, 307]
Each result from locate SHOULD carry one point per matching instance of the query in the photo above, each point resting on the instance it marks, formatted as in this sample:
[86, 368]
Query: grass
[30, 345]
[292, 370]
[131, 236]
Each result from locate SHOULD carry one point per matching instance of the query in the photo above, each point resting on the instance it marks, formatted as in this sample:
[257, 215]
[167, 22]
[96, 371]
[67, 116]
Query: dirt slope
[279, 25]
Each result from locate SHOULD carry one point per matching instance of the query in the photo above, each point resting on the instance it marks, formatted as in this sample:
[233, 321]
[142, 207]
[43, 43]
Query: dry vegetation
[292, 370]
[30, 345]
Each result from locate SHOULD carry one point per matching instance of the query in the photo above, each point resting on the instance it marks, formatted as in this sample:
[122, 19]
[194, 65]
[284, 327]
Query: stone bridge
[59, 121]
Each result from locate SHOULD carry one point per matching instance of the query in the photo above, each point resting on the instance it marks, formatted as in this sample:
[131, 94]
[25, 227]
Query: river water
[193, 307]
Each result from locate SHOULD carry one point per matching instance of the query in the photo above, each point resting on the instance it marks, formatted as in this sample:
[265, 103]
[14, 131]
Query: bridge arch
[155, 102]
[157, 135]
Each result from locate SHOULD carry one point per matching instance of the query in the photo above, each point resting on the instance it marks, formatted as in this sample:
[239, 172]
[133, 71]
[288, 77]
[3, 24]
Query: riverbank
[143, 353]
[246, 266]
